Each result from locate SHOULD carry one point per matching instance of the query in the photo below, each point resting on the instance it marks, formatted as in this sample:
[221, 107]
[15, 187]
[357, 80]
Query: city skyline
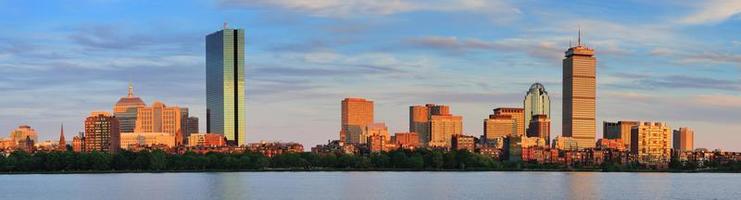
[312, 72]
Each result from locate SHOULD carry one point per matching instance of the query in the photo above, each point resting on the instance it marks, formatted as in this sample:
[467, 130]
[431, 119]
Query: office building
[125, 111]
[619, 130]
[373, 130]
[540, 127]
[102, 133]
[206, 140]
[443, 128]
[192, 126]
[463, 142]
[517, 114]
[537, 102]
[149, 139]
[409, 140]
[497, 126]
[565, 143]
[160, 118]
[356, 114]
[579, 95]
[651, 143]
[683, 139]
[225, 90]
[419, 119]
[20, 134]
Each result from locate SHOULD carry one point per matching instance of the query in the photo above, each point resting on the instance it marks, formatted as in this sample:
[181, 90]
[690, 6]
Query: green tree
[157, 160]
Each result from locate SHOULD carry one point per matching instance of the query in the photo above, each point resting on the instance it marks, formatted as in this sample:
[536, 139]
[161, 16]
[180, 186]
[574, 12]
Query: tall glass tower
[537, 102]
[225, 100]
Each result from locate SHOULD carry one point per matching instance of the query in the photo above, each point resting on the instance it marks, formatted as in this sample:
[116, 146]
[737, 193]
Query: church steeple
[62, 143]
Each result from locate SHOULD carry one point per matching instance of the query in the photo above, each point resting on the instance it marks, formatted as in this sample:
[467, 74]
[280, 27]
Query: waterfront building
[77, 144]
[463, 142]
[125, 111]
[160, 118]
[579, 95]
[102, 133]
[225, 90]
[537, 102]
[147, 139]
[377, 143]
[419, 119]
[374, 129]
[206, 140]
[443, 128]
[683, 139]
[356, 114]
[619, 130]
[565, 143]
[616, 144]
[409, 140]
[498, 126]
[192, 126]
[540, 127]
[20, 134]
[517, 114]
[271, 149]
[651, 143]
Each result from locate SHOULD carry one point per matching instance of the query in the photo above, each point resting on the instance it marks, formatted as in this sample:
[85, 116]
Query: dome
[538, 87]
[129, 101]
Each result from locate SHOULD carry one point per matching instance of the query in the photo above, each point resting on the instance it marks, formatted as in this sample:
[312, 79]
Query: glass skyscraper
[537, 102]
[225, 89]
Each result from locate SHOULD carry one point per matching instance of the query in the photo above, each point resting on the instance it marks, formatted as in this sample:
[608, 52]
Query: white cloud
[713, 11]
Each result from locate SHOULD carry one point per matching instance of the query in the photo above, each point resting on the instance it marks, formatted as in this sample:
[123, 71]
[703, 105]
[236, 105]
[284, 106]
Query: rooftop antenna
[225, 25]
[131, 89]
[578, 41]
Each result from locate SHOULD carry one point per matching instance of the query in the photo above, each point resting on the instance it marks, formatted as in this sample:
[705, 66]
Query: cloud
[713, 11]
[712, 57]
[545, 49]
[359, 8]
[647, 82]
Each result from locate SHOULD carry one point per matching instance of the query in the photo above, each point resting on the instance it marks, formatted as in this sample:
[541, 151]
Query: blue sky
[672, 61]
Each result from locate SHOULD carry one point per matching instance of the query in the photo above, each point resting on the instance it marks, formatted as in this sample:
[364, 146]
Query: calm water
[373, 185]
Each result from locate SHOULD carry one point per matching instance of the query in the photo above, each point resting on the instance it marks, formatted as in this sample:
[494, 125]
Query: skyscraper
[225, 102]
[443, 128]
[419, 119]
[497, 126]
[161, 119]
[102, 133]
[579, 99]
[517, 114]
[540, 126]
[356, 114]
[537, 102]
[125, 111]
[683, 139]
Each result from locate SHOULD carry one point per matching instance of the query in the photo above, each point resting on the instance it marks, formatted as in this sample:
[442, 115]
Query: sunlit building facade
[497, 126]
[356, 114]
[579, 95]
[517, 114]
[125, 111]
[160, 118]
[443, 128]
[619, 130]
[651, 143]
[225, 90]
[102, 133]
[683, 139]
[540, 127]
[419, 119]
[537, 102]
[147, 139]
[20, 134]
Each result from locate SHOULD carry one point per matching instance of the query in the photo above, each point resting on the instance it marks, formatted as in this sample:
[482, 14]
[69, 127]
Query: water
[373, 185]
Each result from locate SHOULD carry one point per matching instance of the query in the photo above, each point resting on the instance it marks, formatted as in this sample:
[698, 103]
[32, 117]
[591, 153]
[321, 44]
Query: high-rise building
[651, 143]
[579, 95]
[356, 113]
[443, 128]
[125, 111]
[372, 130]
[497, 126]
[225, 102]
[192, 126]
[62, 145]
[160, 119]
[20, 134]
[102, 133]
[517, 114]
[540, 127]
[683, 139]
[419, 119]
[619, 130]
[537, 102]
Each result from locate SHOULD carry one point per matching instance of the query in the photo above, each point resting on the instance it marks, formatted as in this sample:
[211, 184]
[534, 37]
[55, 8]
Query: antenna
[225, 25]
[578, 41]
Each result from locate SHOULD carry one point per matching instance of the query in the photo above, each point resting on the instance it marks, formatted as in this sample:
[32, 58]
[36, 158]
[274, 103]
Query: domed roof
[128, 101]
[538, 87]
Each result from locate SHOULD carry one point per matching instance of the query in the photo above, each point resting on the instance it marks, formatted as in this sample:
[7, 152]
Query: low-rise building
[463, 142]
[147, 139]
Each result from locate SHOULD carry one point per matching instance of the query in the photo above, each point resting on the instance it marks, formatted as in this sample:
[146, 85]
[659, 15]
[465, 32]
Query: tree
[157, 160]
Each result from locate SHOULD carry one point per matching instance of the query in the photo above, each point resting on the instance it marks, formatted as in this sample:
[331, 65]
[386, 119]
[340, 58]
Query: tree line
[158, 160]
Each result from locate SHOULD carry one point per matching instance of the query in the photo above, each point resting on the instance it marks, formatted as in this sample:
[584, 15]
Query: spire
[131, 90]
[62, 143]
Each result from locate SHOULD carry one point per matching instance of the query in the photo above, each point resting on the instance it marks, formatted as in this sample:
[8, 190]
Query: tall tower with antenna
[580, 94]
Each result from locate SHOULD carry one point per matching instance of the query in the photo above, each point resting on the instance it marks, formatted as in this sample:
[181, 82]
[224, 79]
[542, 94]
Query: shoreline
[360, 170]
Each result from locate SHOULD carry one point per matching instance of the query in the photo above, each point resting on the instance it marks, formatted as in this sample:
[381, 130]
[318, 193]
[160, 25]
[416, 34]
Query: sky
[672, 61]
